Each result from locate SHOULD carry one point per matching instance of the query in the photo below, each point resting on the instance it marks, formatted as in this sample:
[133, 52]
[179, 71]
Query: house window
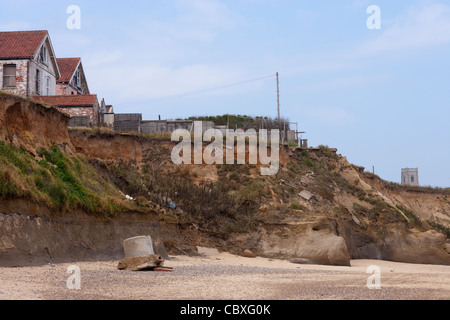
[76, 78]
[412, 179]
[43, 54]
[48, 86]
[9, 75]
[38, 82]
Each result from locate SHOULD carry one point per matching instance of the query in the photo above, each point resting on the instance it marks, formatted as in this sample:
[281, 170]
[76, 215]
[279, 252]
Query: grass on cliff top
[60, 182]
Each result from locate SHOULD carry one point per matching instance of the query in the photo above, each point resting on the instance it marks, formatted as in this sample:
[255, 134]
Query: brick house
[84, 109]
[72, 79]
[28, 66]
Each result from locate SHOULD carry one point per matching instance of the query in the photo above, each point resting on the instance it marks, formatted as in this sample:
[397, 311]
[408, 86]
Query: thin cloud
[164, 80]
[104, 58]
[16, 26]
[420, 28]
[341, 82]
[208, 13]
[334, 116]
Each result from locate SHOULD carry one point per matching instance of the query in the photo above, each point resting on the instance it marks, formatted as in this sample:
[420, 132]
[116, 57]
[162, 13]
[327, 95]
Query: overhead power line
[179, 95]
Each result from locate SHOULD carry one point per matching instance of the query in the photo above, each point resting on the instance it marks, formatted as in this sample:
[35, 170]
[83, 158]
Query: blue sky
[380, 96]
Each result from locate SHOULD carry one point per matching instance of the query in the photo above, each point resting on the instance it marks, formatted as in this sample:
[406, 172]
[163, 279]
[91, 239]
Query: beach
[227, 277]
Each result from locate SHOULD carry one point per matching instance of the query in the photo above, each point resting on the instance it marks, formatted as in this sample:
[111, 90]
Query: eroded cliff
[77, 194]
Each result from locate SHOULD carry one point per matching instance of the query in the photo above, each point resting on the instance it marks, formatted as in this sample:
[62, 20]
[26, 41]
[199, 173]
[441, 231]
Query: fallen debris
[356, 220]
[172, 205]
[248, 254]
[138, 246]
[148, 262]
[164, 269]
[305, 194]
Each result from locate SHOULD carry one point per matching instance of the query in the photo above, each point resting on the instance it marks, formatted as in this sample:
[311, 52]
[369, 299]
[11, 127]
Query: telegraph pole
[278, 100]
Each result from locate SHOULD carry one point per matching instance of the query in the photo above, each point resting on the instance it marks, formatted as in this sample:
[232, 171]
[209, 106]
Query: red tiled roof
[80, 100]
[67, 67]
[20, 44]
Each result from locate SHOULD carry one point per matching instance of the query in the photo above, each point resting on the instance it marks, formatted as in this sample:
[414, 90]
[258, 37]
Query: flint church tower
[410, 177]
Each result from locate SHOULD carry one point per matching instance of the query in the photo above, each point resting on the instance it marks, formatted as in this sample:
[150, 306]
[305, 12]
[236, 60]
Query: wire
[178, 95]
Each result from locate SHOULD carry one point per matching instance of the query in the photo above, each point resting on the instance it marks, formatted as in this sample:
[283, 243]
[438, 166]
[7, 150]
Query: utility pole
[278, 100]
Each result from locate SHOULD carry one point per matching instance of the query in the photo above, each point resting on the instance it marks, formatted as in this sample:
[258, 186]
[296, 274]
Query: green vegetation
[414, 221]
[439, 227]
[379, 210]
[59, 181]
[327, 152]
[294, 205]
[308, 163]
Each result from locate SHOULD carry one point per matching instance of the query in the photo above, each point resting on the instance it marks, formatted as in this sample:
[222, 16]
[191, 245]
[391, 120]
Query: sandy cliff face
[32, 125]
[107, 147]
[348, 216]
[318, 208]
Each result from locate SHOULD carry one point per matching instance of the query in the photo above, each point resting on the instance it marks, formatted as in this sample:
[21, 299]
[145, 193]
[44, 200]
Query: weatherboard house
[29, 67]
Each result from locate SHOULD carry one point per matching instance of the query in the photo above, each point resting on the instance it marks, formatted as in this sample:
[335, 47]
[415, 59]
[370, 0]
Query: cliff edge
[78, 193]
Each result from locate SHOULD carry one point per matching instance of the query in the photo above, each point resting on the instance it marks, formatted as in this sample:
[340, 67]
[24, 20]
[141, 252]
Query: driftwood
[148, 262]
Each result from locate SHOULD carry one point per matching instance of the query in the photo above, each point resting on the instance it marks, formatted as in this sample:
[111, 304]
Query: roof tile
[80, 100]
[20, 44]
[67, 68]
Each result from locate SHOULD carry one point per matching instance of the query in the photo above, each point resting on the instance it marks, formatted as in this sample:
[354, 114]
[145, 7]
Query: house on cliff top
[29, 68]
[84, 110]
[28, 65]
[72, 80]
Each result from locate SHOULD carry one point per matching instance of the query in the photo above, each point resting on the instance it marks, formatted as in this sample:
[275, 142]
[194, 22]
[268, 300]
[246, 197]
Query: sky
[381, 96]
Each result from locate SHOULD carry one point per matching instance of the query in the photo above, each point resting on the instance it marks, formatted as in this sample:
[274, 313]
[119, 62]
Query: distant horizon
[372, 84]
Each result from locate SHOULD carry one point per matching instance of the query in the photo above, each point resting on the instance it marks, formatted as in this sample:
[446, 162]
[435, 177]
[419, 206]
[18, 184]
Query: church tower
[410, 177]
